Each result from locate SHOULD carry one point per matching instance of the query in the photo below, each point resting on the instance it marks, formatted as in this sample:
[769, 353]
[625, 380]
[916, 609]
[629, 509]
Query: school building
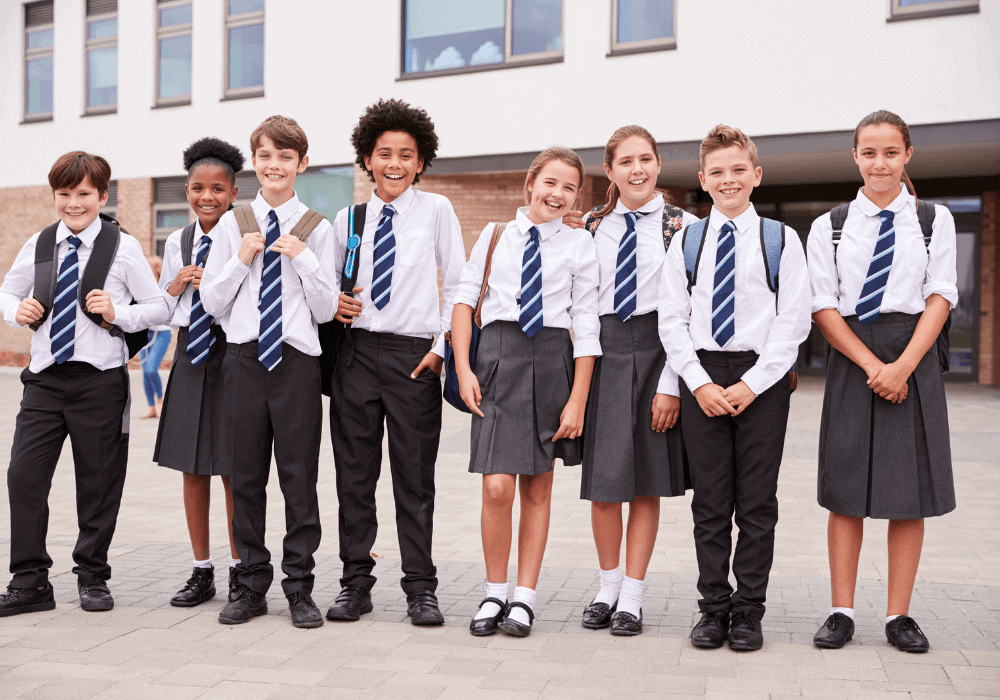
[138, 80]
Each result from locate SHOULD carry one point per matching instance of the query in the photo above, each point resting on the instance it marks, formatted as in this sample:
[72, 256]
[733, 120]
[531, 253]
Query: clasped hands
[890, 380]
[716, 401]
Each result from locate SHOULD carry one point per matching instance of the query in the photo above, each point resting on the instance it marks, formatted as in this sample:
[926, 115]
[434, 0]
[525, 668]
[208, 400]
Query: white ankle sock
[843, 611]
[890, 618]
[526, 596]
[630, 598]
[611, 586]
[207, 564]
[233, 562]
[493, 590]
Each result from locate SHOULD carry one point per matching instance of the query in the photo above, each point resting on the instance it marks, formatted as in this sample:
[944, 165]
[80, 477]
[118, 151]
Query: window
[173, 48]
[111, 207]
[38, 61]
[913, 9]
[453, 36]
[642, 25]
[244, 48]
[102, 56]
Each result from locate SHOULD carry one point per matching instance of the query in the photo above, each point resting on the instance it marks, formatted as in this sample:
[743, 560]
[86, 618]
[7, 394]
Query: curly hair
[211, 151]
[394, 115]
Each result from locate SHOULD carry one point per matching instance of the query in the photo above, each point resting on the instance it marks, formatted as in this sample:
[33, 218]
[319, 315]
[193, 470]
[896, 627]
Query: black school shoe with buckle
[837, 631]
[625, 624]
[305, 614]
[422, 607]
[745, 633]
[245, 606]
[350, 605]
[597, 616]
[513, 627]
[199, 589]
[95, 597]
[711, 630]
[485, 626]
[17, 601]
[905, 634]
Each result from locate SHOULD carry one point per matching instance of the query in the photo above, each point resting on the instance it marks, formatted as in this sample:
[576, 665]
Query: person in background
[151, 356]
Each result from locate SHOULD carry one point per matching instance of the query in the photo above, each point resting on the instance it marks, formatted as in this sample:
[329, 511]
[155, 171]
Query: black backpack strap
[838, 217]
[46, 271]
[187, 244]
[926, 211]
[356, 223]
[673, 221]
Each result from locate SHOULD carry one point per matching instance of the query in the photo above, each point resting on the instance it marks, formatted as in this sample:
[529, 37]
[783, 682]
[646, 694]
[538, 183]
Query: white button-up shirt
[428, 236]
[917, 271]
[774, 334]
[230, 289]
[649, 265]
[129, 277]
[173, 261]
[570, 279]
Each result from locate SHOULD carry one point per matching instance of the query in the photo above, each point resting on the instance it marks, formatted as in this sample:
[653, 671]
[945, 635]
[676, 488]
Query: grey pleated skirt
[623, 457]
[525, 384]
[190, 435]
[878, 459]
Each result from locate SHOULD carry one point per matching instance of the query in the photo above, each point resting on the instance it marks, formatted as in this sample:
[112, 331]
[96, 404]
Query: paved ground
[146, 649]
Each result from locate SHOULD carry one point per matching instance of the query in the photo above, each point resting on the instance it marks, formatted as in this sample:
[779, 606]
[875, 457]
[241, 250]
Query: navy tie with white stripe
[530, 318]
[269, 302]
[200, 337]
[63, 329]
[625, 272]
[384, 256]
[724, 291]
[870, 302]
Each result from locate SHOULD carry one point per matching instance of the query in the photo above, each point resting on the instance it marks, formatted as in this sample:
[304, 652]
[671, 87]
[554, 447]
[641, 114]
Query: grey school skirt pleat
[878, 459]
[191, 436]
[525, 384]
[623, 457]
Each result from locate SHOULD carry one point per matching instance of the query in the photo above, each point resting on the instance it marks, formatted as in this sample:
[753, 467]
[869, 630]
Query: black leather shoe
[246, 606]
[305, 614]
[486, 626]
[513, 627]
[905, 634]
[597, 616]
[625, 624]
[95, 597]
[350, 605]
[422, 607]
[744, 632]
[837, 631]
[198, 589]
[26, 600]
[711, 630]
[232, 584]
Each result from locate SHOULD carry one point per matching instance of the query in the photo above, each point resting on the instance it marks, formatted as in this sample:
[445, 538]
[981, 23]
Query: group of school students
[653, 348]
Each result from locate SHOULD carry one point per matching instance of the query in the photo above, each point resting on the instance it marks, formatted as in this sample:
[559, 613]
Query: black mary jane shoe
[513, 627]
[485, 626]
[199, 589]
[597, 616]
[905, 634]
[625, 624]
[837, 631]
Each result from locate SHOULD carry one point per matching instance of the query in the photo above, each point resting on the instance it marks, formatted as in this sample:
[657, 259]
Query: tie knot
[206, 240]
[74, 241]
[272, 217]
[388, 210]
[886, 215]
[728, 227]
[533, 233]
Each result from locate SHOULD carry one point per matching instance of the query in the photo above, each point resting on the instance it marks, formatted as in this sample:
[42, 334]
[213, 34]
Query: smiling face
[634, 170]
[553, 191]
[79, 206]
[276, 169]
[210, 192]
[729, 177]
[881, 155]
[394, 162]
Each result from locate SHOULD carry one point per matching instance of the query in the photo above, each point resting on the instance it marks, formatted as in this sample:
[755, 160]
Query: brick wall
[989, 324]
[135, 209]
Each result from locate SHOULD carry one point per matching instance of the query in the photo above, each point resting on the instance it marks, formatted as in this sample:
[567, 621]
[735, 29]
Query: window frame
[161, 233]
[625, 48]
[940, 8]
[173, 32]
[510, 60]
[93, 45]
[246, 19]
[33, 54]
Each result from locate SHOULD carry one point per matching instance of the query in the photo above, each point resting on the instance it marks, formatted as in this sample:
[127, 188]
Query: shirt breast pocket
[414, 247]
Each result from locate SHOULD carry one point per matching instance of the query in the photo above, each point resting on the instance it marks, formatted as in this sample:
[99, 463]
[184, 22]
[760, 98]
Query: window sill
[242, 95]
[626, 50]
[36, 118]
[167, 105]
[929, 13]
[481, 69]
[100, 112]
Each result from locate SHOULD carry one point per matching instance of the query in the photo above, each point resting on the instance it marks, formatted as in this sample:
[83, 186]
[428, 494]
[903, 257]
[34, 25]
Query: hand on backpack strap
[98, 302]
[348, 308]
[28, 312]
[289, 245]
[250, 247]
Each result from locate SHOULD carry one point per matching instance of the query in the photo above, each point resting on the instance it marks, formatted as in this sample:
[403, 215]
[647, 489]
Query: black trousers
[89, 405]
[279, 410]
[372, 388]
[734, 465]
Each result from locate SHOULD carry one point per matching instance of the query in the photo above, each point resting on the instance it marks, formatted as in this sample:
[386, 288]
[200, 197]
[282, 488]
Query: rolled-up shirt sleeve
[586, 283]
[824, 281]
[941, 276]
[470, 282]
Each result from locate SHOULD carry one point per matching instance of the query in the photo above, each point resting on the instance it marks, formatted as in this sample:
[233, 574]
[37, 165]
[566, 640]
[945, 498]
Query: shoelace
[196, 576]
[15, 593]
[738, 618]
[299, 597]
[833, 622]
[908, 624]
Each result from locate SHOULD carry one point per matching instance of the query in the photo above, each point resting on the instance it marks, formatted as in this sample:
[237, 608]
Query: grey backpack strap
[187, 244]
[838, 217]
[46, 271]
[926, 211]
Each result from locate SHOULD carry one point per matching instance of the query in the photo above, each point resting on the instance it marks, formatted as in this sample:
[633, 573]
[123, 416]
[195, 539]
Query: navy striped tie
[530, 318]
[200, 337]
[870, 302]
[384, 256]
[625, 273]
[269, 302]
[63, 329]
[724, 291]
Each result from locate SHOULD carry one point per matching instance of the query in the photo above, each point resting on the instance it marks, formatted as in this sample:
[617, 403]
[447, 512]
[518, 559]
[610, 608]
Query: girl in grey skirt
[190, 432]
[632, 449]
[882, 289]
[528, 392]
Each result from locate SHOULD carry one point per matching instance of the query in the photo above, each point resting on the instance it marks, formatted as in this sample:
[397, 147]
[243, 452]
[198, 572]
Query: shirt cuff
[305, 263]
[695, 376]
[438, 347]
[668, 384]
[10, 314]
[757, 380]
[587, 348]
[824, 302]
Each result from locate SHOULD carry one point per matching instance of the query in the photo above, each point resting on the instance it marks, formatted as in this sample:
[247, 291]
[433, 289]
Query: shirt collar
[648, 208]
[87, 236]
[261, 208]
[743, 222]
[400, 203]
[869, 208]
[544, 230]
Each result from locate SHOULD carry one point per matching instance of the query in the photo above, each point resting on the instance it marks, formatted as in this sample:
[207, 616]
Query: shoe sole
[625, 633]
[592, 626]
[427, 623]
[828, 645]
[512, 631]
[183, 604]
[744, 647]
[707, 645]
[483, 633]
[908, 651]
[101, 606]
[234, 621]
[367, 608]
[37, 607]
[308, 625]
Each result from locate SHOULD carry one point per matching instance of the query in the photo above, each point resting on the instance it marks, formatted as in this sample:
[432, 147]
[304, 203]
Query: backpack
[926, 212]
[95, 274]
[673, 219]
